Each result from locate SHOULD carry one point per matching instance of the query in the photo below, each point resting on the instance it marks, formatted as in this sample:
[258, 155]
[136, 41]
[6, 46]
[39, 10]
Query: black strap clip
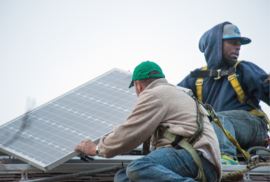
[85, 158]
[217, 74]
[177, 139]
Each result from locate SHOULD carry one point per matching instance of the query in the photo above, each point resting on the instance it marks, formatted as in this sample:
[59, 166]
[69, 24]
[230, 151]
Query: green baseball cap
[142, 70]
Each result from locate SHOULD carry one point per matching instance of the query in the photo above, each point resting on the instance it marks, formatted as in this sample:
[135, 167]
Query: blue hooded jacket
[220, 93]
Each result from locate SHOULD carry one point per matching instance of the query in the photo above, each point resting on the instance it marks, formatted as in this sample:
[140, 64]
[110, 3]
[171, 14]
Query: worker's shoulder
[246, 64]
[169, 90]
[247, 67]
[162, 88]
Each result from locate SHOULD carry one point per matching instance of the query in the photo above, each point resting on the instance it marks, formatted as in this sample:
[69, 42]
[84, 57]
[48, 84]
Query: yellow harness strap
[232, 140]
[199, 84]
[232, 78]
[238, 90]
[236, 85]
[241, 95]
[228, 135]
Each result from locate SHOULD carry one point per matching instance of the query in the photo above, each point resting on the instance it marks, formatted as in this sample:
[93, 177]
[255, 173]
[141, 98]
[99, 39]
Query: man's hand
[267, 80]
[87, 147]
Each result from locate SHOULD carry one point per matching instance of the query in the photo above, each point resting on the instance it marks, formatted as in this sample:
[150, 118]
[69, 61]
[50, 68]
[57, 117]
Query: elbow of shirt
[107, 154]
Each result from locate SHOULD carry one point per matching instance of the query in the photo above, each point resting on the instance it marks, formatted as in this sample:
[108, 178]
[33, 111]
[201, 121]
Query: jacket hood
[211, 45]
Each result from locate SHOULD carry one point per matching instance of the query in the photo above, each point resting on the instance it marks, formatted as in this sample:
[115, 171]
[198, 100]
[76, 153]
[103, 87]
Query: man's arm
[255, 81]
[143, 121]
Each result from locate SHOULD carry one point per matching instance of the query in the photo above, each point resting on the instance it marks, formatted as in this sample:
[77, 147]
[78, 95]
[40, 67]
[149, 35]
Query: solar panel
[55, 128]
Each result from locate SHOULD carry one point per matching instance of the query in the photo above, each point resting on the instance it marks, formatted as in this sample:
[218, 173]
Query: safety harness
[179, 143]
[231, 73]
[177, 140]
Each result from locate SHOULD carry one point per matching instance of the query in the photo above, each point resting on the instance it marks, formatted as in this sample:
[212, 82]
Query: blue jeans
[166, 164]
[247, 129]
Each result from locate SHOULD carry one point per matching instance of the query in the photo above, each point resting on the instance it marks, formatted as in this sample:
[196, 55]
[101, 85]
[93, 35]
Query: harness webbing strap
[185, 145]
[236, 85]
[177, 139]
[211, 73]
[241, 95]
[199, 84]
[237, 88]
[161, 130]
[228, 135]
[178, 142]
[232, 140]
[237, 63]
[197, 135]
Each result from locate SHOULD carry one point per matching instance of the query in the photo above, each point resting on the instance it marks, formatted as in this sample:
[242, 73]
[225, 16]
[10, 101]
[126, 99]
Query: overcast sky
[50, 47]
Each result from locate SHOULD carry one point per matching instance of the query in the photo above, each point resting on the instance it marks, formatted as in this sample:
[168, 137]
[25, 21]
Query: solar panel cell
[54, 129]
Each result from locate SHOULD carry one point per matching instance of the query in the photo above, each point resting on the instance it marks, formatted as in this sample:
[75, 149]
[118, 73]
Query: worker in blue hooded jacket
[232, 88]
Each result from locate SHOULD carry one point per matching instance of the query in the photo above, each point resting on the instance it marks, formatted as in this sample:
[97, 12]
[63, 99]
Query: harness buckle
[253, 162]
[199, 82]
[231, 77]
[213, 114]
[218, 77]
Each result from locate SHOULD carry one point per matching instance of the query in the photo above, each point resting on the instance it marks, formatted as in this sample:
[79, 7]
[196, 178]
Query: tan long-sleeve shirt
[161, 104]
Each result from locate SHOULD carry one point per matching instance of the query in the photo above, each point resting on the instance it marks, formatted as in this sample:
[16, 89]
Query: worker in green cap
[183, 142]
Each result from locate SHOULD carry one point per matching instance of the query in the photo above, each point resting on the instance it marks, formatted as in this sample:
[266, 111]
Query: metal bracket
[247, 177]
[253, 163]
[24, 176]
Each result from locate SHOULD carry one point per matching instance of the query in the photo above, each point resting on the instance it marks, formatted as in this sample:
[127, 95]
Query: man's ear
[140, 86]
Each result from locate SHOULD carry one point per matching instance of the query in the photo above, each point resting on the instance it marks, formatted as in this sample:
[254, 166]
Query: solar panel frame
[72, 154]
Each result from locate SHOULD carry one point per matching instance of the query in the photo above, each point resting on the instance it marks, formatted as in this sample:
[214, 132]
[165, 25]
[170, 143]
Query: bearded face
[231, 50]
